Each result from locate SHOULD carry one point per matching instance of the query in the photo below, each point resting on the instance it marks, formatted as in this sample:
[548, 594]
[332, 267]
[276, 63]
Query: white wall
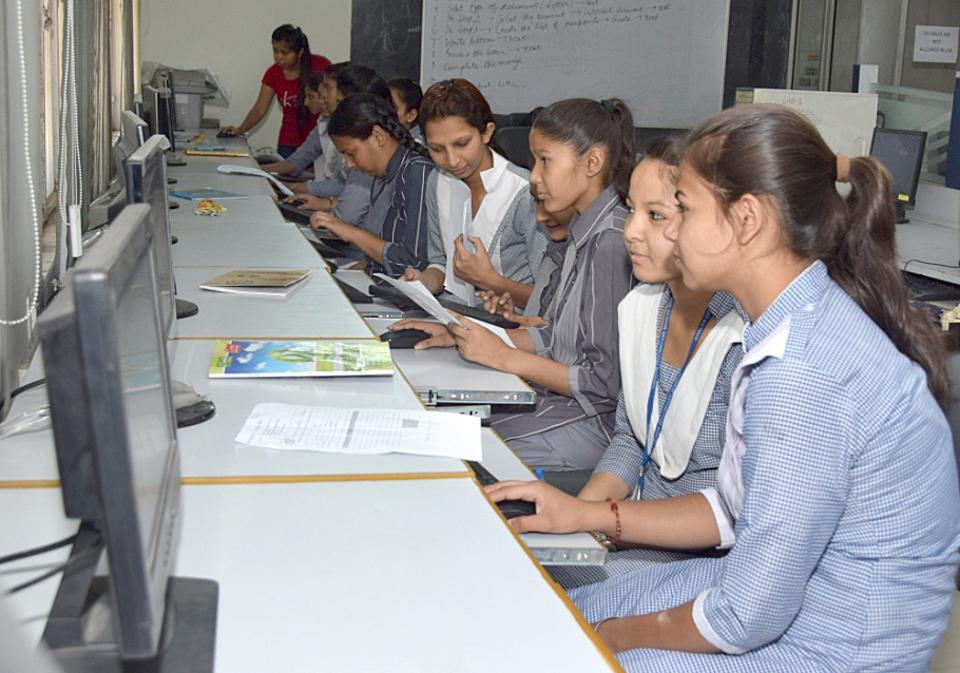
[232, 38]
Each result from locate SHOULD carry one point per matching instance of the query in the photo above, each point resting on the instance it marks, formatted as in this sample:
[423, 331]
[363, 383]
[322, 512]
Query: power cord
[66, 565]
[35, 551]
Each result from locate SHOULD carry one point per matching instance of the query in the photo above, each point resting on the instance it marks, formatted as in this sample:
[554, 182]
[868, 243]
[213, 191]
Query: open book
[281, 359]
[278, 283]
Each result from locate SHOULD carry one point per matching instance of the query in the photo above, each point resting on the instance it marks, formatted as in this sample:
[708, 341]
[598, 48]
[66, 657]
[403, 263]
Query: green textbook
[280, 359]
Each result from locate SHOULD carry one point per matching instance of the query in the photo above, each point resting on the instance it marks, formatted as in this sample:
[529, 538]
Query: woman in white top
[483, 232]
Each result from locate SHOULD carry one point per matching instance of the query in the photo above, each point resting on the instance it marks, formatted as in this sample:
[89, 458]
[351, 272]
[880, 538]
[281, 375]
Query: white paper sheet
[418, 293]
[291, 427]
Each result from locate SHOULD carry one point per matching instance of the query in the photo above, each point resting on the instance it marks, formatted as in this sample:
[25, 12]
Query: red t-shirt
[288, 96]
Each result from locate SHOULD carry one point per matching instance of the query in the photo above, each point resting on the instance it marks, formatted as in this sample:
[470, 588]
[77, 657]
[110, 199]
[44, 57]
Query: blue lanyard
[648, 446]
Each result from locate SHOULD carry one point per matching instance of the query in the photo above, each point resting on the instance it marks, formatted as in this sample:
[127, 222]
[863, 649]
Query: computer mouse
[226, 134]
[515, 508]
[404, 338]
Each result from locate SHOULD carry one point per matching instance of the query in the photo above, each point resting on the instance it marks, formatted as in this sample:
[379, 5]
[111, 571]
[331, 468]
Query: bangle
[615, 539]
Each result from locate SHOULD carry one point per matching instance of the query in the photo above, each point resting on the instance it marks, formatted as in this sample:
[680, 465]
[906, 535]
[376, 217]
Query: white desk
[370, 576]
[938, 243]
[317, 310]
[207, 450]
[223, 243]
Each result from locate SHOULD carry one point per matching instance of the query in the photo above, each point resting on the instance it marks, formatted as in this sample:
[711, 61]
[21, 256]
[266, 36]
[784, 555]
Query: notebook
[237, 358]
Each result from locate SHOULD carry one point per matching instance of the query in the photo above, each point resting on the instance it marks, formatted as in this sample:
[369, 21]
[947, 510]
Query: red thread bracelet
[615, 540]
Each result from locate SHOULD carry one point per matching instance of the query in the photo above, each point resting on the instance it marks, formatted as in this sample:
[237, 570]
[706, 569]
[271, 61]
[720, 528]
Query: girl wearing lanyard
[837, 488]
[678, 350]
[483, 227]
[365, 129]
[584, 154]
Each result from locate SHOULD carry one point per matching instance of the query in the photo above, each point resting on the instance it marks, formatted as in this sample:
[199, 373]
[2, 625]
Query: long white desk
[920, 241]
[208, 452]
[373, 576]
[317, 310]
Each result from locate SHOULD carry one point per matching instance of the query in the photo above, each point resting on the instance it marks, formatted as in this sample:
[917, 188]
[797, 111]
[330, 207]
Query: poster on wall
[935, 44]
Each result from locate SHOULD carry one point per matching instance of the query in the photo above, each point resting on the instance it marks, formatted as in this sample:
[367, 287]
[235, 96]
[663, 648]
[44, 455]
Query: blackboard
[385, 36]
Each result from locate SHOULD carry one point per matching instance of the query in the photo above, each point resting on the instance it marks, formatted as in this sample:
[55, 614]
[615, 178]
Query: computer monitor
[901, 152]
[132, 126]
[158, 108]
[108, 383]
[146, 173]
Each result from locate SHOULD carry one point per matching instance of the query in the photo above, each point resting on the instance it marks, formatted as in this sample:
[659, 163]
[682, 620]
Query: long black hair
[769, 150]
[356, 116]
[355, 78]
[583, 123]
[294, 38]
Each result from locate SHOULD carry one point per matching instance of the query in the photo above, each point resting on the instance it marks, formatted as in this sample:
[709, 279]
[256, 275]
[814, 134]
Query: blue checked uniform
[846, 545]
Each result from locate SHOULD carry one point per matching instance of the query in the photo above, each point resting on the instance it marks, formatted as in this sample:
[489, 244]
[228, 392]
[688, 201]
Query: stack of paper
[418, 293]
[362, 431]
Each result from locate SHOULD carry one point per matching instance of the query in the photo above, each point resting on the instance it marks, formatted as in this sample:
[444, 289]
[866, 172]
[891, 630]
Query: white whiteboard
[845, 120]
[665, 59]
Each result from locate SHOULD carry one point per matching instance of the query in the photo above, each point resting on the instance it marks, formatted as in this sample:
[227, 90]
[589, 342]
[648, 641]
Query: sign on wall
[936, 44]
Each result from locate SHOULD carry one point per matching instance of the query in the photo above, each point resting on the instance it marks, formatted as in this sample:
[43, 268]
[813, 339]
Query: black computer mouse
[404, 338]
[172, 205]
[514, 508]
[226, 134]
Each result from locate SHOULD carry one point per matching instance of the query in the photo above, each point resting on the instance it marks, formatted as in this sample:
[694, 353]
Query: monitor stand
[186, 309]
[82, 611]
[901, 213]
[175, 160]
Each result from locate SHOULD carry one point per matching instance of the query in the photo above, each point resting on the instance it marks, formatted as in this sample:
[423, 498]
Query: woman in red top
[293, 63]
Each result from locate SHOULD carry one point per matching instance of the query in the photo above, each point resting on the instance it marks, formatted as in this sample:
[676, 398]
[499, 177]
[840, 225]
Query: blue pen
[539, 473]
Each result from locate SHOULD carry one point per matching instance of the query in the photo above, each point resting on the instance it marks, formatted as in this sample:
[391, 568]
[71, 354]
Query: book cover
[258, 282]
[281, 359]
[205, 193]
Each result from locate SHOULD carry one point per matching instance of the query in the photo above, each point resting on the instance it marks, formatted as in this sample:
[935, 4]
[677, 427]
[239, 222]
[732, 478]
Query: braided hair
[297, 41]
[356, 116]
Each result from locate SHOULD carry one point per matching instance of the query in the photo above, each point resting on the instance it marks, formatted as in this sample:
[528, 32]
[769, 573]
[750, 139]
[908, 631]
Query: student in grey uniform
[483, 227]
[346, 194]
[584, 153]
[366, 131]
[407, 95]
[679, 348]
[837, 490]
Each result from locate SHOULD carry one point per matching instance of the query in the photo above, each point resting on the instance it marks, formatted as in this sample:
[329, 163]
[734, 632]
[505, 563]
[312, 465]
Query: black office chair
[515, 143]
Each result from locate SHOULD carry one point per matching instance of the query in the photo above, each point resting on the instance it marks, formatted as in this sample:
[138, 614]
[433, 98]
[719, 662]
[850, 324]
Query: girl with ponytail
[286, 79]
[583, 151]
[837, 487]
[365, 129]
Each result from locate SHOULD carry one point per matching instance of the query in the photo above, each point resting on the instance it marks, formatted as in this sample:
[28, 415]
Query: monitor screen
[147, 183]
[108, 382]
[901, 152]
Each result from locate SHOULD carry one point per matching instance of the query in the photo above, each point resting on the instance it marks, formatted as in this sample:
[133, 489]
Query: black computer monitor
[158, 108]
[108, 383]
[146, 173]
[901, 152]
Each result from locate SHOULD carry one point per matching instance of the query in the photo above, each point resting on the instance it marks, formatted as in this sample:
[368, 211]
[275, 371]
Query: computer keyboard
[353, 294]
[294, 213]
[394, 296]
[447, 301]
[509, 508]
